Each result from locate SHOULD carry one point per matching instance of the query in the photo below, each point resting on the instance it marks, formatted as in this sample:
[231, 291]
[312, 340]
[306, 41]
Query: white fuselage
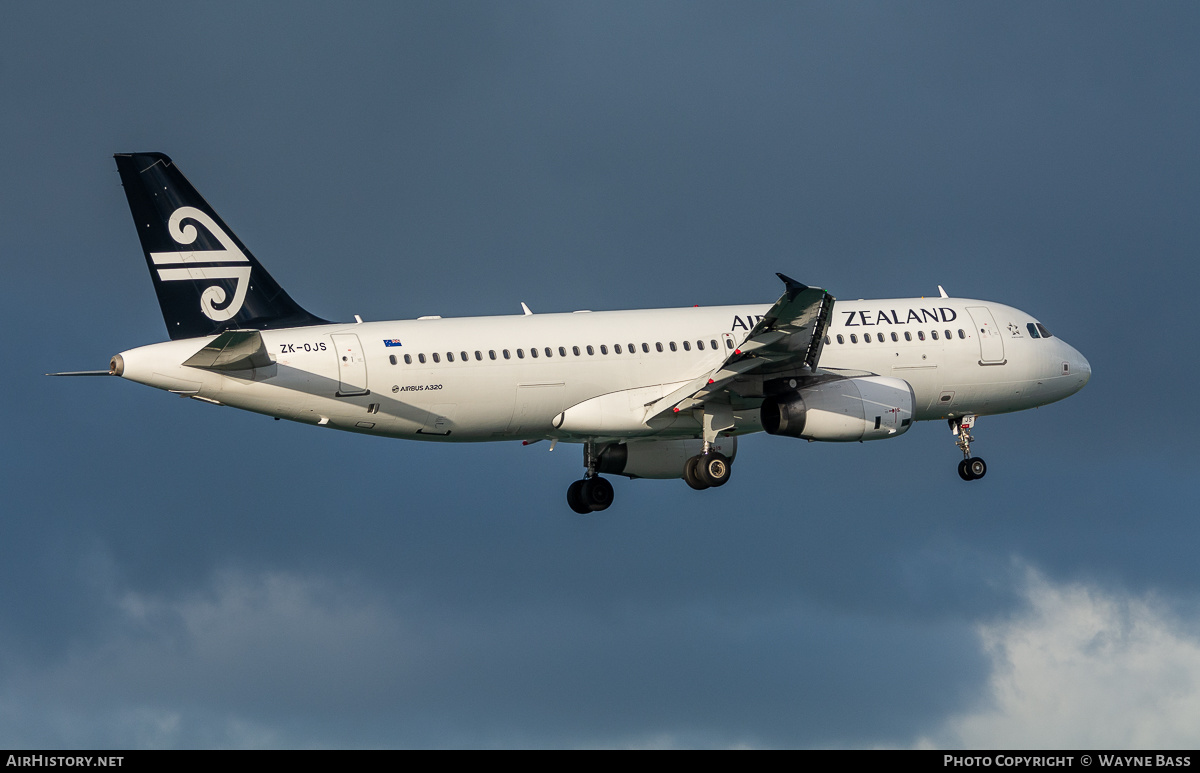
[451, 380]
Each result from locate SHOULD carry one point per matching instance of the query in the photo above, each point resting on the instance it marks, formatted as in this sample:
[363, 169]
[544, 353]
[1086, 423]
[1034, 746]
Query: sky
[181, 575]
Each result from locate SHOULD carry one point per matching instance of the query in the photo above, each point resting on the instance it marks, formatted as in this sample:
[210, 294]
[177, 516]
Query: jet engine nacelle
[656, 458]
[842, 410]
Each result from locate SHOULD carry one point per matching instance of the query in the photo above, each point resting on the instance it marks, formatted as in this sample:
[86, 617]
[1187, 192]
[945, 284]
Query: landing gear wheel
[714, 469]
[597, 493]
[575, 498]
[972, 469]
[691, 474]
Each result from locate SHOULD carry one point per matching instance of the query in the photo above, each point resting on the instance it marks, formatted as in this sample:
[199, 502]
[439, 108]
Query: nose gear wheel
[971, 467]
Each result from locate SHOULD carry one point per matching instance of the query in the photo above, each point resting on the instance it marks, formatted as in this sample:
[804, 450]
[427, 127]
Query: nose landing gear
[970, 468]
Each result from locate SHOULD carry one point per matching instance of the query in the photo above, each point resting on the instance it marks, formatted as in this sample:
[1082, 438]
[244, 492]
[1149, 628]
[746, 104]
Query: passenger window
[590, 350]
[700, 346]
[478, 356]
[827, 340]
[853, 338]
[961, 334]
[921, 335]
[895, 337]
[646, 348]
[907, 336]
[603, 349]
[392, 358]
[673, 347]
[464, 356]
[520, 354]
[532, 352]
[492, 353]
[575, 350]
[562, 351]
[421, 357]
[840, 339]
[617, 348]
[549, 352]
[633, 348]
[728, 343]
[687, 346]
[713, 344]
[933, 333]
[436, 358]
[867, 338]
[658, 346]
[948, 336]
[449, 356]
[408, 359]
[507, 356]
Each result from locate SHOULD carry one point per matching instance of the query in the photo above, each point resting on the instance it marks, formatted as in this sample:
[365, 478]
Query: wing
[788, 339]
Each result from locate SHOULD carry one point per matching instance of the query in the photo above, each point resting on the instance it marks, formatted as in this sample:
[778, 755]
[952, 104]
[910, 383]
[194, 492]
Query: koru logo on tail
[229, 263]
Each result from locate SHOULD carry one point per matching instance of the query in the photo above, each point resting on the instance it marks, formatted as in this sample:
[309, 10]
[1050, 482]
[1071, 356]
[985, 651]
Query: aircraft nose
[1079, 367]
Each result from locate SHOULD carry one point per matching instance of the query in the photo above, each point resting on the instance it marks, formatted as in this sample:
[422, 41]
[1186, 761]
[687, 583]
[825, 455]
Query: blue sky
[181, 575]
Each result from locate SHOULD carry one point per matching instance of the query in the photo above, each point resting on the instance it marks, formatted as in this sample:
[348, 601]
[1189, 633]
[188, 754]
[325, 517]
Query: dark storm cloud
[179, 574]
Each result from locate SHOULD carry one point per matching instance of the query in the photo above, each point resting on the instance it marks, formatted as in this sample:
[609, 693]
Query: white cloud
[1083, 668]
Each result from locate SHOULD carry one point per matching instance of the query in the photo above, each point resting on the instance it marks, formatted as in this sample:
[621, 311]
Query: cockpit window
[1033, 331]
[1042, 329]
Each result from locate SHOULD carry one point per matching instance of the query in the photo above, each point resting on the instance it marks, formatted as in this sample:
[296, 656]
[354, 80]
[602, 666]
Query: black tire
[714, 469]
[963, 472]
[977, 467]
[597, 493]
[575, 498]
[691, 474]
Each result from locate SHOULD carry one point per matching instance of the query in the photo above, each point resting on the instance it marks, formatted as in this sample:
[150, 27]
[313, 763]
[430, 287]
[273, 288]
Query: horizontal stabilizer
[232, 350]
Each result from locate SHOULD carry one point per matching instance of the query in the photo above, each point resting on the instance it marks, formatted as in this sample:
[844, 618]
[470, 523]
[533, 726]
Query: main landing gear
[710, 468]
[593, 493]
[707, 470]
[970, 468]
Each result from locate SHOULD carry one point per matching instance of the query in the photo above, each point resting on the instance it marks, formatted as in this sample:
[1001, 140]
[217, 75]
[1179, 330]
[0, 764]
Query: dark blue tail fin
[206, 279]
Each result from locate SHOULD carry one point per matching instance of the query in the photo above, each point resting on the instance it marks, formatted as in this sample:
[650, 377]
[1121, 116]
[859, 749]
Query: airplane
[650, 393]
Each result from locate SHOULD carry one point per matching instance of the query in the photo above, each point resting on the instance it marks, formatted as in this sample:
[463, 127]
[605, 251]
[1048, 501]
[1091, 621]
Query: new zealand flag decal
[391, 342]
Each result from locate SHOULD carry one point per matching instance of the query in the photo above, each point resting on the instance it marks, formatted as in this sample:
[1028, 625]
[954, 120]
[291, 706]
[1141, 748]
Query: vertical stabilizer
[205, 278]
